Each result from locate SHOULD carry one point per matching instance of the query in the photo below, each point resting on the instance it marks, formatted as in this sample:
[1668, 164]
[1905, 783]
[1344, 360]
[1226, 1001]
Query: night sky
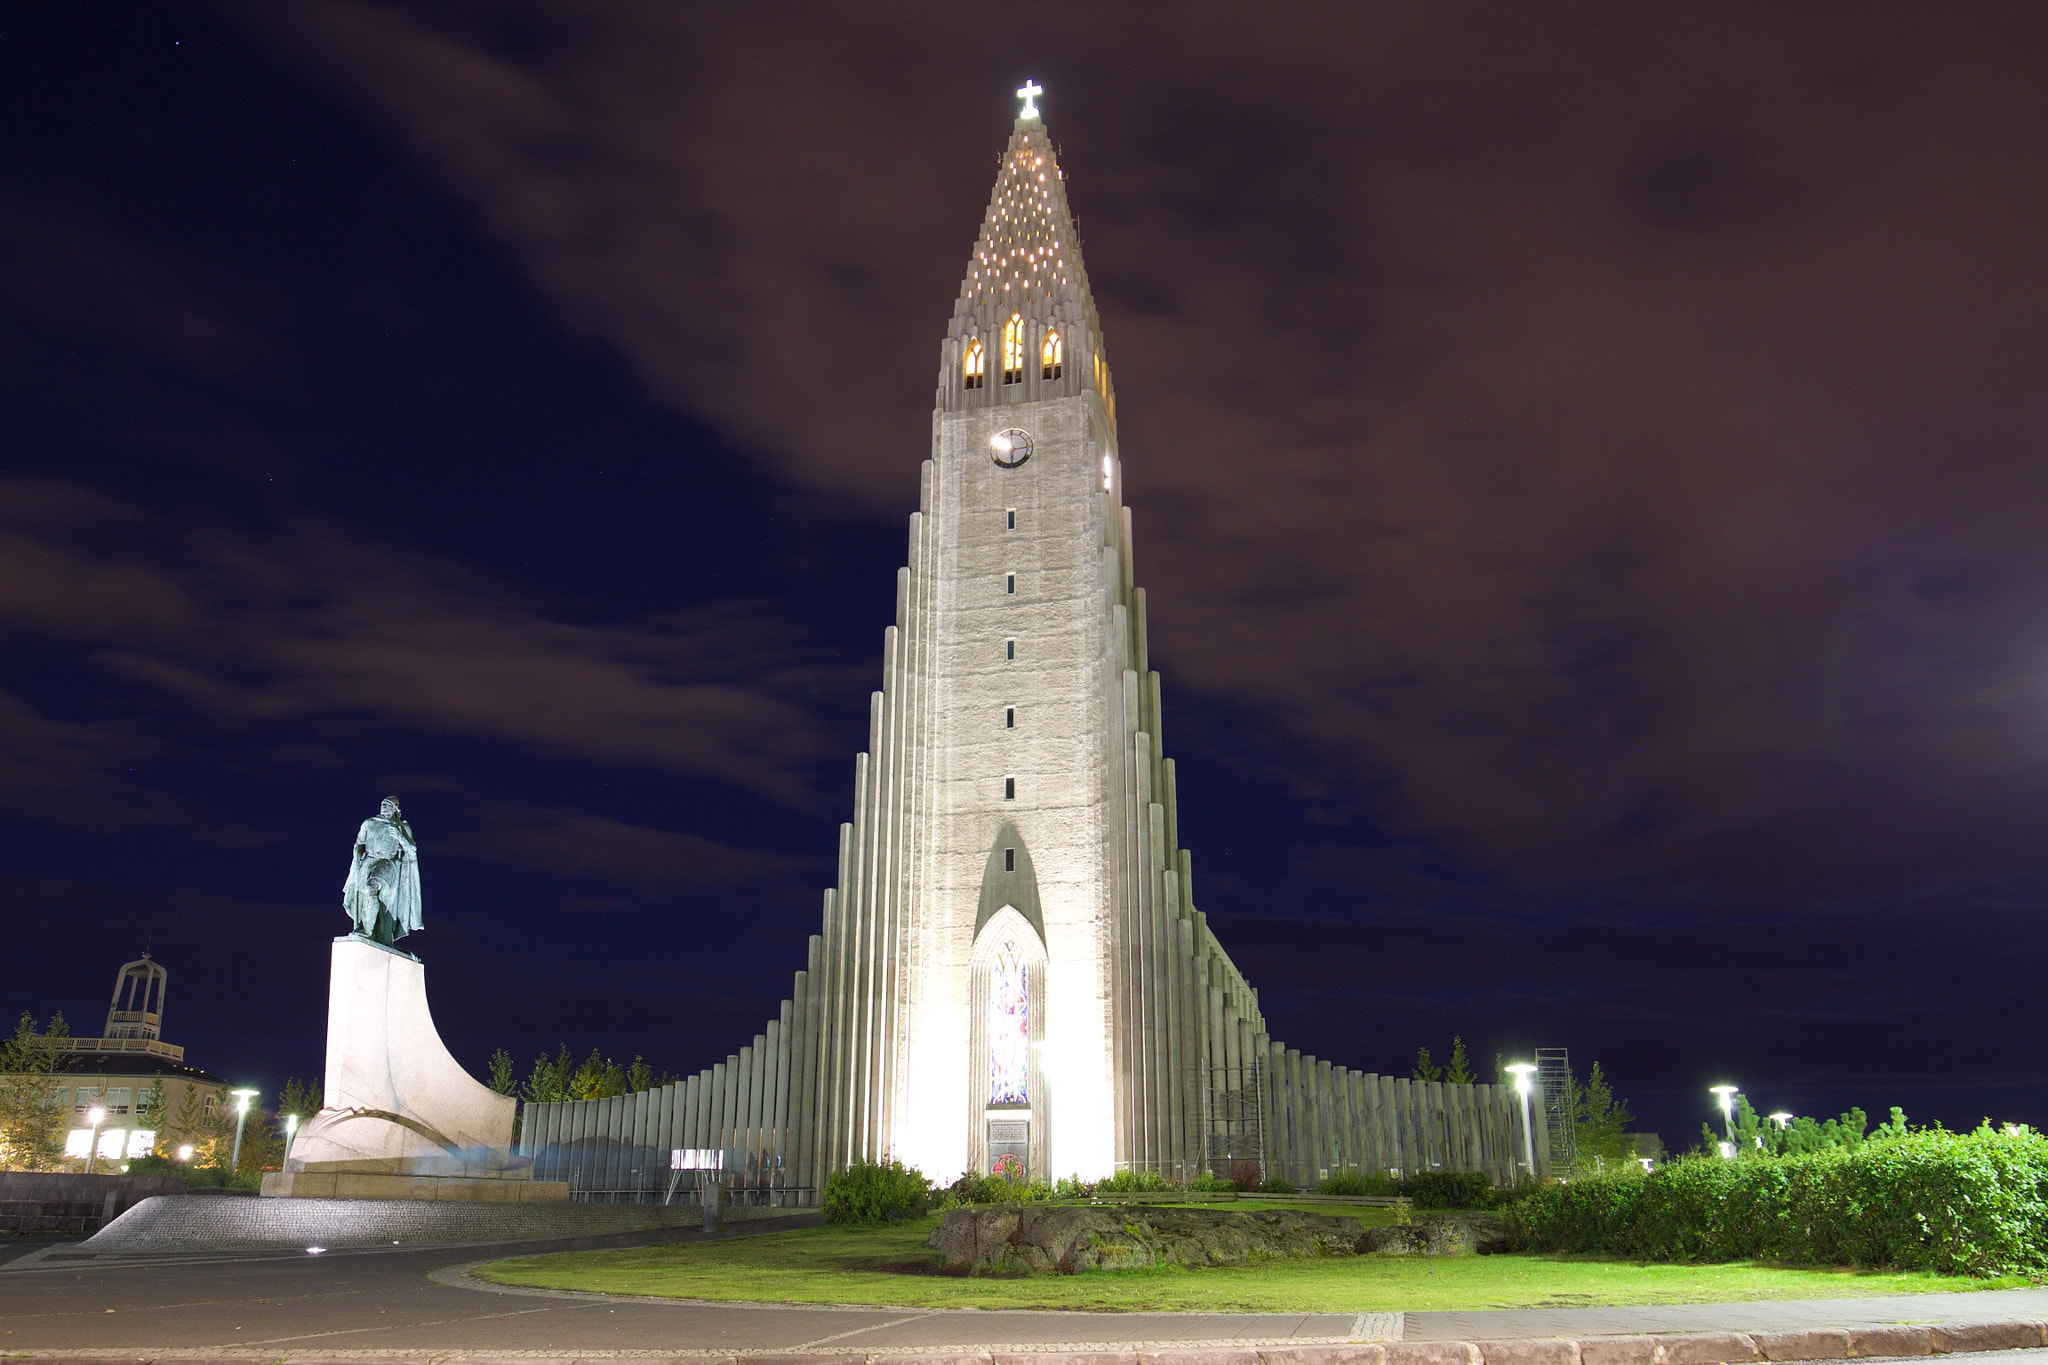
[1589, 464]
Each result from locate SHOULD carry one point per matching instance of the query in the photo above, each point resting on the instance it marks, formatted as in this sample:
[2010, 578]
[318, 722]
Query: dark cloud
[316, 624]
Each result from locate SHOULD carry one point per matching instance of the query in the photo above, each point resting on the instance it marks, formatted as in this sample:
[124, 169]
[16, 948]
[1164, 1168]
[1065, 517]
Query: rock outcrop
[1114, 1237]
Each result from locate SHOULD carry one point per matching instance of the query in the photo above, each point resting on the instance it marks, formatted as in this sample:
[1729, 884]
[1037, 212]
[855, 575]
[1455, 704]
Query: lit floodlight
[1726, 1095]
[185, 1152]
[1522, 1071]
[1782, 1119]
[97, 1115]
[242, 1098]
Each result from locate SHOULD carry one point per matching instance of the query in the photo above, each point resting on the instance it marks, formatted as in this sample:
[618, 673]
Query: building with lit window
[1012, 974]
[119, 1074]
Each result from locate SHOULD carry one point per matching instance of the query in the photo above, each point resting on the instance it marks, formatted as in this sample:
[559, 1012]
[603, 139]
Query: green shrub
[1964, 1204]
[1277, 1184]
[1211, 1184]
[1135, 1182]
[868, 1192]
[1359, 1182]
[1447, 1189]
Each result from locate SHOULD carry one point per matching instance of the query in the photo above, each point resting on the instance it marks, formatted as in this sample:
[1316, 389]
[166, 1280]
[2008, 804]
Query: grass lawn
[891, 1266]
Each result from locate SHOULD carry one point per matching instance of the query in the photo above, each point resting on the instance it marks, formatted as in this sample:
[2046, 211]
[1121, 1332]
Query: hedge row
[1959, 1203]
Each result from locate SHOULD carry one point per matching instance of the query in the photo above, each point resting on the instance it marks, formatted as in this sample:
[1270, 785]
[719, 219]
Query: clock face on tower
[1010, 448]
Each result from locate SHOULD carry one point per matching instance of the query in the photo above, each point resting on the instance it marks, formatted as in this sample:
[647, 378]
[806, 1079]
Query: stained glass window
[1009, 1027]
[1013, 349]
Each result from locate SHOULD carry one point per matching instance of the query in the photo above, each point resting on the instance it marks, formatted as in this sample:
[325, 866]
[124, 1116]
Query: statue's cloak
[384, 876]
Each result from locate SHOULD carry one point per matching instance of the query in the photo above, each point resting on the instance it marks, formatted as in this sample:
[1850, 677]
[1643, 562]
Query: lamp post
[1782, 1119]
[1522, 1071]
[242, 1098]
[95, 1116]
[1726, 1095]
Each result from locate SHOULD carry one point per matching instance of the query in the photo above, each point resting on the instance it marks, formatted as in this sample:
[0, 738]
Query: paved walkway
[401, 1305]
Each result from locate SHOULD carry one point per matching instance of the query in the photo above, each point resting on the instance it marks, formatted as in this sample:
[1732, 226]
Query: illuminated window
[1013, 349]
[1009, 789]
[1009, 1027]
[972, 366]
[1050, 356]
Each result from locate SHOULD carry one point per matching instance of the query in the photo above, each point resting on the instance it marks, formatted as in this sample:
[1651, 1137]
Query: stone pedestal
[402, 1120]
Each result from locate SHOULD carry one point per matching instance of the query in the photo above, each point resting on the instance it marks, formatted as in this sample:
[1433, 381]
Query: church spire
[1024, 325]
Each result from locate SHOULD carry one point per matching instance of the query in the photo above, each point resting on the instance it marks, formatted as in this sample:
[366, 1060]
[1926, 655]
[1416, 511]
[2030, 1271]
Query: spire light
[1029, 94]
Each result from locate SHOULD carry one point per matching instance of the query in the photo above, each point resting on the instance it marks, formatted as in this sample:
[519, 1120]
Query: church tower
[1011, 975]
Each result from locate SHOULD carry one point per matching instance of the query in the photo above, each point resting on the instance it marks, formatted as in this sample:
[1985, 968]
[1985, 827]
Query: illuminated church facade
[1012, 974]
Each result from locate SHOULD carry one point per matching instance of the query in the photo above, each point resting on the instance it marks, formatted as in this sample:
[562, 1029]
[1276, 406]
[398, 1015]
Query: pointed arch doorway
[1008, 1104]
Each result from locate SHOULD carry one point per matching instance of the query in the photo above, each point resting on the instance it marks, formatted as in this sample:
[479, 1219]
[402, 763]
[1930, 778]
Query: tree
[185, 1121]
[31, 1123]
[501, 1073]
[1600, 1121]
[1425, 1069]
[303, 1100]
[1460, 1072]
[150, 1107]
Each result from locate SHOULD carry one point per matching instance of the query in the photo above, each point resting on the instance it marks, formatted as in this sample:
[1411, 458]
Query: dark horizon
[1586, 469]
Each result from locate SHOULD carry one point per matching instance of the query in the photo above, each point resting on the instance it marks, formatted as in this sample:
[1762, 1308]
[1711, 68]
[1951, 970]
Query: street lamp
[95, 1116]
[242, 1098]
[1522, 1071]
[1782, 1119]
[1726, 1095]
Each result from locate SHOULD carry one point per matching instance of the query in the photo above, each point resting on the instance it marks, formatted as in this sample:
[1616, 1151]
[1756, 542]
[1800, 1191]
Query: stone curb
[1689, 1348]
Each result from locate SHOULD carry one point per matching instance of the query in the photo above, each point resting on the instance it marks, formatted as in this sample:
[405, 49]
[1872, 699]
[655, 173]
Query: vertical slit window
[1009, 649]
[1009, 860]
[1013, 349]
[1051, 355]
[1009, 789]
[972, 366]
[1010, 519]
[1010, 584]
[1009, 717]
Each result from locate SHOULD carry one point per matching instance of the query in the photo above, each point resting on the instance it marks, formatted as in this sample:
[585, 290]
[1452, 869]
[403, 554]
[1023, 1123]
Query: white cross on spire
[1029, 94]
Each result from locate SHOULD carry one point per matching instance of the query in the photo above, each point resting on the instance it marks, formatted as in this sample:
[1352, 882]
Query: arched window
[1050, 356]
[1013, 350]
[1009, 1027]
[971, 366]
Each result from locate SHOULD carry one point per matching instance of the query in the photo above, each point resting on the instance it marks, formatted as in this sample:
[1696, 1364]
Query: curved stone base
[394, 1096]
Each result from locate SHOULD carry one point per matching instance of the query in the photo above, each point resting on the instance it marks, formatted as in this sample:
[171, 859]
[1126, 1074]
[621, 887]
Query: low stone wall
[187, 1223]
[61, 1201]
[1090, 1237]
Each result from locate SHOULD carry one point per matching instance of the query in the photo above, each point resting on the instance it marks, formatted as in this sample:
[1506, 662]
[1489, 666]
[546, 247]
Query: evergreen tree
[1460, 1072]
[31, 1123]
[1425, 1069]
[501, 1073]
[1600, 1121]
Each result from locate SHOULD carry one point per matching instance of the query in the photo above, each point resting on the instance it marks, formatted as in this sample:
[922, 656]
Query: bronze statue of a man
[382, 894]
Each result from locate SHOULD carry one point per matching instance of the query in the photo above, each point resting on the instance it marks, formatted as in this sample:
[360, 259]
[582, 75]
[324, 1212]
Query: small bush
[1448, 1189]
[1277, 1184]
[1135, 1182]
[1963, 1204]
[1211, 1184]
[1359, 1182]
[869, 1192]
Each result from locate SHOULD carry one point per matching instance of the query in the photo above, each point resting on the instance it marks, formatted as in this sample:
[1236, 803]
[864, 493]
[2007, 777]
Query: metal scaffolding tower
[1560, 1105]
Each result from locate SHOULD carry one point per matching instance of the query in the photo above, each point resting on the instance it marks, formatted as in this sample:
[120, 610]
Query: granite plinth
[396, 1102]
